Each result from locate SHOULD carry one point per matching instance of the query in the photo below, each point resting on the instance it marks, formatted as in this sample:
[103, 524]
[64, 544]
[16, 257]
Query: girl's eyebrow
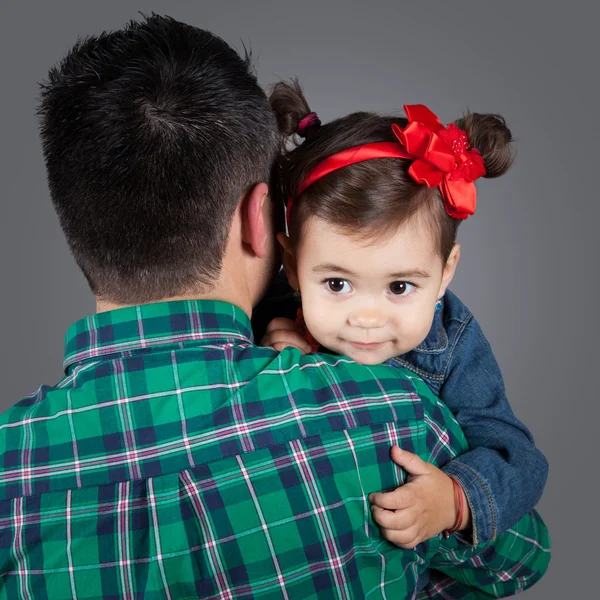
[328, 267]
[410, 274]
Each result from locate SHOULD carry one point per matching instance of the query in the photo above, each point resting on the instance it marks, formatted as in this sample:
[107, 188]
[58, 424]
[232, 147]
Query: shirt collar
[149, 325]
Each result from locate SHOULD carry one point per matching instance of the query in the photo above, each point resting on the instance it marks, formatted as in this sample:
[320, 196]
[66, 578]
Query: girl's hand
[282, 333]
[421, 508]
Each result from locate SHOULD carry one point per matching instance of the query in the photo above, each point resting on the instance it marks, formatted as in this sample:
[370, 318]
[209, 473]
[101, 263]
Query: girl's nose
[367, 318]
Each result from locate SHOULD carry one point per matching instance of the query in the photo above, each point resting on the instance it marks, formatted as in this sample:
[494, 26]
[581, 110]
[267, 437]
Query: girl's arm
[504, 474]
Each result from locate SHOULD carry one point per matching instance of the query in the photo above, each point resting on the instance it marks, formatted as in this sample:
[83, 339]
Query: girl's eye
[338, 286]
[401, 288]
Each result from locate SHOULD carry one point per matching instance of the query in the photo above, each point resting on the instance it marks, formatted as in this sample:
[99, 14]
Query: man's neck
[235, 285]
[221, 295]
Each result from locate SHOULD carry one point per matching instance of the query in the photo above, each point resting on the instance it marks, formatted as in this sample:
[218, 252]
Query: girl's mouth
[366, 346]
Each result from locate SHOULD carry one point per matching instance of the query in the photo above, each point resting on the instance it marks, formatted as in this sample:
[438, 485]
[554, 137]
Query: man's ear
[449, 269]
[255, 229]
[289, 261]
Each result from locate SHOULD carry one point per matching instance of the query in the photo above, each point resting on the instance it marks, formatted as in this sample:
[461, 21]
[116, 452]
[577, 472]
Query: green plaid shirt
[176, 459]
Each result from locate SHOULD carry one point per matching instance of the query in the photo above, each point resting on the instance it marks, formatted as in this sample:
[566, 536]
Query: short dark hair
[373, 197]
[151, 135]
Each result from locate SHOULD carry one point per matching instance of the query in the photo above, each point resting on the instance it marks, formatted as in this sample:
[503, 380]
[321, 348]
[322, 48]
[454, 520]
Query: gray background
[527, 271]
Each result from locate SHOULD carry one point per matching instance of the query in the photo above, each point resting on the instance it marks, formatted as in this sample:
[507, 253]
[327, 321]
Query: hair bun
[291, 109]
[489, 134]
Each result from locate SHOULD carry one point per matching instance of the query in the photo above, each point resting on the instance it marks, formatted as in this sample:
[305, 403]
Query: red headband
[441, 157]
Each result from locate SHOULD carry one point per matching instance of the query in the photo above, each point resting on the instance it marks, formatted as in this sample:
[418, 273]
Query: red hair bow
[442, 158]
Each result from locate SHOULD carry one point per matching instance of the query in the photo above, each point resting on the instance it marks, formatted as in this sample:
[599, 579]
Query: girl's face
[369, 301]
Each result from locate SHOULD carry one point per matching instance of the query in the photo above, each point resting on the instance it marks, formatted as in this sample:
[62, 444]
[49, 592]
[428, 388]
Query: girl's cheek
[319, 313]
[419, 328]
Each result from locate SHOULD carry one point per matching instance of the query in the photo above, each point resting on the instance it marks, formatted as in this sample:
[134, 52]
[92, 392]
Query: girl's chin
[366, 354]
[376, 355]
[368, 358]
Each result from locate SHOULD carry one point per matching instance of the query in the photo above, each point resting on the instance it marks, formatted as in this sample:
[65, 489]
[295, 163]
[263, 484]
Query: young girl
[373, 207]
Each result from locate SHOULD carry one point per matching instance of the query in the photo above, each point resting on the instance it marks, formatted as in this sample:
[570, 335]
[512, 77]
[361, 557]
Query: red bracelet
[458, 499]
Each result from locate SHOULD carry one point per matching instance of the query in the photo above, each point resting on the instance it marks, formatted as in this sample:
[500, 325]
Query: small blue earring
[298, 296]
[438, 305]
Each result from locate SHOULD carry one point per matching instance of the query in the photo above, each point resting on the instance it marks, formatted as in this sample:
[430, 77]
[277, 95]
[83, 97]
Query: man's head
[155, 137]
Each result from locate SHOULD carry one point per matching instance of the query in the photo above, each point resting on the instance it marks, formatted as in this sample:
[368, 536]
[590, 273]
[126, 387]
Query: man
[176, 459]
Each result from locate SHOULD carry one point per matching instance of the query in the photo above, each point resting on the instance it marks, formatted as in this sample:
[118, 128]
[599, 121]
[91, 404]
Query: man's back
[178, 459]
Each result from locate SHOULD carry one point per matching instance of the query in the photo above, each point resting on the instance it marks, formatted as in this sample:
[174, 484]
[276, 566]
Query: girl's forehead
[410, 244]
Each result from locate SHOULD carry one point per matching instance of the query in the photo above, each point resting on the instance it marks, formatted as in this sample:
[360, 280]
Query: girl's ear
[289, 261]
[449, 269]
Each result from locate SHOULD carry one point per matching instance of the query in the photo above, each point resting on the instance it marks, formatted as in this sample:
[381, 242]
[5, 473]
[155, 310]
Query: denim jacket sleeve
[503, 474]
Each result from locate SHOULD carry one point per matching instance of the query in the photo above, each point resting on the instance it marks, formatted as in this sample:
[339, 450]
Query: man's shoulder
[345, 377]
[378, 394]
[45, 404]
[331, 367]
[26, 405]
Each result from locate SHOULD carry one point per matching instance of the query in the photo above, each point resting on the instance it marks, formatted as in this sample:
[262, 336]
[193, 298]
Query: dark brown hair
[376, 196]
[152, 134]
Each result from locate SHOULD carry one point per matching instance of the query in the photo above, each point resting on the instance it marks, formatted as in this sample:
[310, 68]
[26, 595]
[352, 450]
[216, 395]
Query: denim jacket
[504, 474]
